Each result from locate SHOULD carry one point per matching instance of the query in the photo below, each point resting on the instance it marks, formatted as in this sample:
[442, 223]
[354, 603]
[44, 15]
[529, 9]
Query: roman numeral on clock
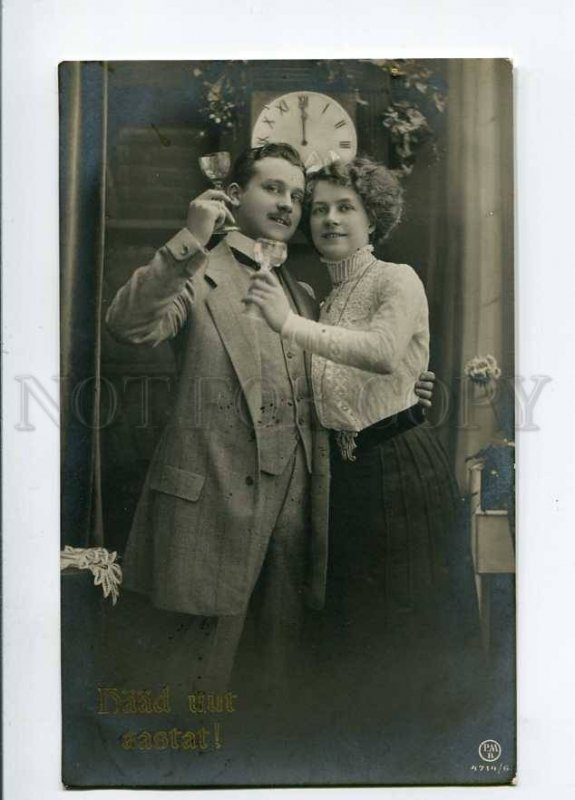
[270, 122]
[345, 145]
[283, 106]
[340, 124]
[263, 139]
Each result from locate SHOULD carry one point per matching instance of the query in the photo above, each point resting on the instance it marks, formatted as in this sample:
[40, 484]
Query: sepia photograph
[287, 404]
[286, 449]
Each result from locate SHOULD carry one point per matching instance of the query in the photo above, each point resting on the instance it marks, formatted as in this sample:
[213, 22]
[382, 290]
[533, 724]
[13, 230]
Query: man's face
[270, 204]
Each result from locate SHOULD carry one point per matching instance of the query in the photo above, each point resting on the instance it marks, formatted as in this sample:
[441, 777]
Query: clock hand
[303, 120]
[303, 101]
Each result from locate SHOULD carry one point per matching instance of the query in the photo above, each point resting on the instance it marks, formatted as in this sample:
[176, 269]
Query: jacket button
[289, 354]
[185, 249]
[249, 480]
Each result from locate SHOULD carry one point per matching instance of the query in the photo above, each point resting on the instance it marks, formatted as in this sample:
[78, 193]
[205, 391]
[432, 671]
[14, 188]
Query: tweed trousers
[194, 653]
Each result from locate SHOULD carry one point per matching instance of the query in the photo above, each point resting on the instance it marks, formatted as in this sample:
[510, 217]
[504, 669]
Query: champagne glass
[216, 166]
[269, 254]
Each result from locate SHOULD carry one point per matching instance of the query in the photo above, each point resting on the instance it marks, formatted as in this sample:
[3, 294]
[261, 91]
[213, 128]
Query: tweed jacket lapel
[236, 329]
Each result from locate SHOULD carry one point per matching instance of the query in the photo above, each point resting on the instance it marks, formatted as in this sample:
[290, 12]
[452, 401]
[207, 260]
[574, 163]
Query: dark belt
[389, 427]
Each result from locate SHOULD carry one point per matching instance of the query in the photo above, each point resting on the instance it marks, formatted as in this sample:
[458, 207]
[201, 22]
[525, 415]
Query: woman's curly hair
[379, 190]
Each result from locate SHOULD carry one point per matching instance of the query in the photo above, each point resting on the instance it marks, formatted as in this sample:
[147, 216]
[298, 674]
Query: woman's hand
[267, 294]
[424, 388]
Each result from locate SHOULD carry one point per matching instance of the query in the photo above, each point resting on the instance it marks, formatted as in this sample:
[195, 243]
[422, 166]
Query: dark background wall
[156, 133]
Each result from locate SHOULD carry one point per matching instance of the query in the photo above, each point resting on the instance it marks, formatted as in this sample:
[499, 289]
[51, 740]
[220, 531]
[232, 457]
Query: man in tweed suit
[235, 503]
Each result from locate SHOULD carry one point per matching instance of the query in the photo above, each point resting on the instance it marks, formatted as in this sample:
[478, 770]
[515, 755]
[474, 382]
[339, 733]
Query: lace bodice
[371, 343]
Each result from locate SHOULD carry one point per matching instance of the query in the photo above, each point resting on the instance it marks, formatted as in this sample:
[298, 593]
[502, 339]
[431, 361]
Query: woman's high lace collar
[341, 271]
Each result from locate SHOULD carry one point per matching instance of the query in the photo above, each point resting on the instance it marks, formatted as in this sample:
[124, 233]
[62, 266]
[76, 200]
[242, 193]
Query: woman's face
[339, 223]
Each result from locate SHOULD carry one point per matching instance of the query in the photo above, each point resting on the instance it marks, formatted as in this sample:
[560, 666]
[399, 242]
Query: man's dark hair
[244, 166]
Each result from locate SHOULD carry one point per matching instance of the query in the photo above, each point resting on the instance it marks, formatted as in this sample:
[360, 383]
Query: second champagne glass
[269, 254]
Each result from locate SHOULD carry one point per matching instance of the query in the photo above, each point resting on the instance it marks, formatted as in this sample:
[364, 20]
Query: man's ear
[235, 194]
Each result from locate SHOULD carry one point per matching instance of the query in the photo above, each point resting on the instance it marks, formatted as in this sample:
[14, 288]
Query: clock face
[318, 127]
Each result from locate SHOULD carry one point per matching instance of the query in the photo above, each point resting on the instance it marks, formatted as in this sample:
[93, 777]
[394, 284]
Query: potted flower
[497, 459]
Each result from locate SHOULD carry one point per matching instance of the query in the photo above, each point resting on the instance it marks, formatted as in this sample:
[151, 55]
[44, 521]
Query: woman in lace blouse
[400, 582]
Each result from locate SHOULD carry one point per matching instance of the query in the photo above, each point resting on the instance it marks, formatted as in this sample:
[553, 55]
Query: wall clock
[314, 123]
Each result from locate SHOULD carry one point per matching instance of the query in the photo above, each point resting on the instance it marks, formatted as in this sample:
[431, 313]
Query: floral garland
[418, 97]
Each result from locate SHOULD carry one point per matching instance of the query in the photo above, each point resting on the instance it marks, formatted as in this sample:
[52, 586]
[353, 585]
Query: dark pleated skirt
[401, 617]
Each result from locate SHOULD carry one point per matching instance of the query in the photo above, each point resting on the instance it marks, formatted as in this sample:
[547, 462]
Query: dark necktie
[242, 258]
[249, 262]
[280, 271]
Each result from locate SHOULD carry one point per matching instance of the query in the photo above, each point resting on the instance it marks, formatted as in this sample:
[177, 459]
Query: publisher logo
[489, 750]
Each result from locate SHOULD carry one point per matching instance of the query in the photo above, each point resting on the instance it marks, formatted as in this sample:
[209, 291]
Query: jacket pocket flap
[179, 482]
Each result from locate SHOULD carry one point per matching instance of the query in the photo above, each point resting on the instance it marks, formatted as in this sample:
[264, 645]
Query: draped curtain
[83, 125]
[458, 234]
[476, 314]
